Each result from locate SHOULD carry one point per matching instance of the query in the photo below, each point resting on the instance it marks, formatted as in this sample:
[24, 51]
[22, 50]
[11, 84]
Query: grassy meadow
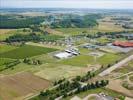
[83, 60]
[6, 48]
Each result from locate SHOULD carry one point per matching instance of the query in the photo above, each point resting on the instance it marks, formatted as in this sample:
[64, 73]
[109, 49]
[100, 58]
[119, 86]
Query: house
[123, 44]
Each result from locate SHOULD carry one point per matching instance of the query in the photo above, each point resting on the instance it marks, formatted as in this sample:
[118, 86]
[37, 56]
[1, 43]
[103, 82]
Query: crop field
[26, 51]
[5, 33]
[6, 48]
[52, 31]
[52, 73]
[19, 85]
[109, 27]
[45, 45]
[5, 60]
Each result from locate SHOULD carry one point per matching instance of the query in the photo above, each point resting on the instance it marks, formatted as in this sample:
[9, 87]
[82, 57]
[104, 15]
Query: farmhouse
[123, 44]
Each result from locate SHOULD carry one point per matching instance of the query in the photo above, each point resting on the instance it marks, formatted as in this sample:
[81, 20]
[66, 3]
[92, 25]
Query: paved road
[119, 64]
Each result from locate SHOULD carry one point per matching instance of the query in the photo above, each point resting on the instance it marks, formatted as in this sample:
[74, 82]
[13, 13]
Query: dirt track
[117, 86]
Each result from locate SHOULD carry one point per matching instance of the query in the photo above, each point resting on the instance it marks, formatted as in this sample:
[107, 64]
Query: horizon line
[66, 8]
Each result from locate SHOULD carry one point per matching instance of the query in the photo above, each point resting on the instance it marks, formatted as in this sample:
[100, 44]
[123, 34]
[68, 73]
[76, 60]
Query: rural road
[119, 64]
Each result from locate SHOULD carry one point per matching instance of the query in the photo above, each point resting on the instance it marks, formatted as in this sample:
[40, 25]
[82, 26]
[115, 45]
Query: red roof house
[123, 44]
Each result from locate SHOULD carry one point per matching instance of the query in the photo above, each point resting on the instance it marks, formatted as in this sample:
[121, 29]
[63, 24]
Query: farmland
[108, 26]
[6, 48]
[19, 85]
[46, 55]
[26, 51]
[5, 60]
[5, 33]
[83, 60]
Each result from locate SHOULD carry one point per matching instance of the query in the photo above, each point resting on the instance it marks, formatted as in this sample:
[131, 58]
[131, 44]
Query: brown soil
[21, 84]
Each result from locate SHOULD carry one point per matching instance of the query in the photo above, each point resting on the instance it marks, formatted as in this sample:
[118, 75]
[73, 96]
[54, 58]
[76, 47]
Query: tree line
[11, 64]
[64, 88]
[32, 61]
[67, 89]
[10, 22]
[32, 37]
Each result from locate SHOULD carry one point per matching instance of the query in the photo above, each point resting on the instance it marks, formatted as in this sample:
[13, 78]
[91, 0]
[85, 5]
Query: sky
[107, 4]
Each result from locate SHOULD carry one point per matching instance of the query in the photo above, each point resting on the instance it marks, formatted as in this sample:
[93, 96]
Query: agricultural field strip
[26, 51]
[30, 85]
[43, 45]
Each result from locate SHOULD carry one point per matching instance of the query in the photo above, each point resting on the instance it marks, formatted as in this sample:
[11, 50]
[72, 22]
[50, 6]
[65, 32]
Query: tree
[65, 95]
[92, 85]
[103, 83]
[42, 93]
[78, 78]
[39, 62]
[108, 65]
[97, 84]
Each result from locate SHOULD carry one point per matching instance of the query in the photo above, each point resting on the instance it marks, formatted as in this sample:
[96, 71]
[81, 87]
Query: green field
[83, 60]
[108, 58]
[26, 51]
[5, 60]
[102, 40]
[6, 48]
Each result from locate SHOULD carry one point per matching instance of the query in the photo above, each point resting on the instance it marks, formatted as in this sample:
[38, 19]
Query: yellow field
[5, 31]
[109, 27]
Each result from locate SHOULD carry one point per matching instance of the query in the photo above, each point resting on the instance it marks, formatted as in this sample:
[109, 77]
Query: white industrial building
[63, 55]
[67, 53]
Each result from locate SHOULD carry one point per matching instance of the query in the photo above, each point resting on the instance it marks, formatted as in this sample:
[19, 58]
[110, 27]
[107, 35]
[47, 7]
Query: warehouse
[63, 55]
